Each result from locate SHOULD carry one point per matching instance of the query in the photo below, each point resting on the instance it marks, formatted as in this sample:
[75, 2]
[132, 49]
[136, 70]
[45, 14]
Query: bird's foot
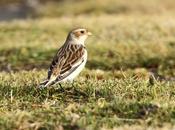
[62, 89]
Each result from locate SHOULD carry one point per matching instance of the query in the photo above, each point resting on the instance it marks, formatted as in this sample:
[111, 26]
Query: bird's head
[79, 35]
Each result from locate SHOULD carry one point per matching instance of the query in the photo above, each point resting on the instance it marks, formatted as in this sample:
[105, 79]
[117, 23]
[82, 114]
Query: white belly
[77, 71]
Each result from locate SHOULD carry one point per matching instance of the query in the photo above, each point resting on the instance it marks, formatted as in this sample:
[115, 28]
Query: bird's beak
[89, 33]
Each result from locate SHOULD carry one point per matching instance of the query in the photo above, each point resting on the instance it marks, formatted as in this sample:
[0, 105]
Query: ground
[114, 91]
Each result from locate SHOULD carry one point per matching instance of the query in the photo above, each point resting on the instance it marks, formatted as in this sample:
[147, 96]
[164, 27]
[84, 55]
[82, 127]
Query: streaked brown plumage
[69, 59]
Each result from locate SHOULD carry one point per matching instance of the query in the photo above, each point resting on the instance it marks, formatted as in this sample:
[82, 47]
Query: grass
[91, 104]
[114, 91]
[149, 45]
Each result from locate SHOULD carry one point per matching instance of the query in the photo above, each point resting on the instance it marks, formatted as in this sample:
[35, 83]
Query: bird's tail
[47, 83]
[44, 84]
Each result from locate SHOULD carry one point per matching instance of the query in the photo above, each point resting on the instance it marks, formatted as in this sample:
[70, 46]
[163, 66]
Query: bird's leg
[62, 89]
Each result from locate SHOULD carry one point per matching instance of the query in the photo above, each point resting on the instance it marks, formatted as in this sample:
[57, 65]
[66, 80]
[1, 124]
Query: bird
[69, 60]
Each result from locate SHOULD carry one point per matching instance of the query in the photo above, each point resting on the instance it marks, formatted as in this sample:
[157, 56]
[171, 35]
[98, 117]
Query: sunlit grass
[145, 42]
[89, 102]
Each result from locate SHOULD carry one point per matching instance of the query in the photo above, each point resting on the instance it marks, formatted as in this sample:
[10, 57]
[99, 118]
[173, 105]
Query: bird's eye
[82, 32]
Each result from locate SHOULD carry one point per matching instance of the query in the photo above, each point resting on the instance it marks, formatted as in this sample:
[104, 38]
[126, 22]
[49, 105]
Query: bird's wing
[75, 56]
[63, 63]
[72, 63]
[57, 63]
[67, 73]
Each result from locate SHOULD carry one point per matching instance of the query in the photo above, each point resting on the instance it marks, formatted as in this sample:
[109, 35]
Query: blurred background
[11, 9]
[137, 36]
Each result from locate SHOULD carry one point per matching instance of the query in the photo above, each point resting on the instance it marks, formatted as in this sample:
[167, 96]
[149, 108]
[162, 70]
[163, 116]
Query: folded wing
[66, 61]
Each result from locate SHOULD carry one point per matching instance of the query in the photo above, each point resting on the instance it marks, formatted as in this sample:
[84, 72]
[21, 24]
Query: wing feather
[63, 62]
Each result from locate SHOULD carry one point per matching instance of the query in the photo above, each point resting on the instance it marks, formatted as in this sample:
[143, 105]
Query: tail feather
[43, 84]
[46, 83]
[49, 82]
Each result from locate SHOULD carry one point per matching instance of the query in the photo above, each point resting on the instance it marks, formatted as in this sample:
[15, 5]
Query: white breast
[78, 70]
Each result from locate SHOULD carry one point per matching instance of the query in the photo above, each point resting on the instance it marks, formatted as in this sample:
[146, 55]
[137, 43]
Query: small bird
[69, 60]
